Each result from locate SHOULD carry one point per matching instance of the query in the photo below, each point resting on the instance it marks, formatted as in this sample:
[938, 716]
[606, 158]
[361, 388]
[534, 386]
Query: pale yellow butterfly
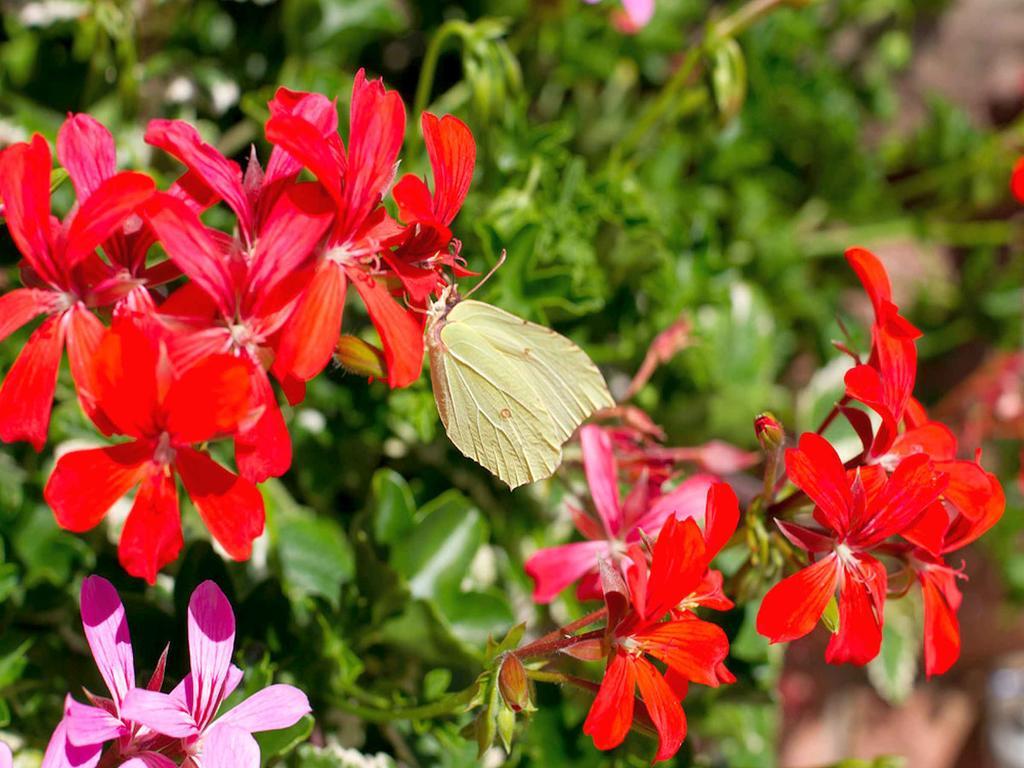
[509, 392]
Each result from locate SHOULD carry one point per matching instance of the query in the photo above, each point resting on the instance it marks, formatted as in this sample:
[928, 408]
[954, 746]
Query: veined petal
[314, 108]
[91, 726]
[211, 399]
[911, 489]
[452, 152]
[686, 501]
[275, 707]
[264, 449]
[26, 395]
[792, 608]
[84, 333]
[310, 336]
[664, 709]
[124, 378]
[816, 469]
[19, 306]
[226, 746]
[180, 140]
[400, 332]
[602, 476]
[86, 149]
[872, 276]
[160, 712]
[941, 625]
[25, 191]
[611, 714]
[150, 760]
[677, 566]
[61, 753]
[106, 630]
[721, 518]
[231, 507]
[211, 643]
[151, 537]
[861, 601]
[964, 530]
[308, 145]
[691, 647]
[104, 212]
[555, 568]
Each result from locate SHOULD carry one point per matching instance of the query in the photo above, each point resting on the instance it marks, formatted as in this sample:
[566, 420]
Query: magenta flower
[189, 713]
[6, 758]
[645, 509]
[78, 740]
[637, 13]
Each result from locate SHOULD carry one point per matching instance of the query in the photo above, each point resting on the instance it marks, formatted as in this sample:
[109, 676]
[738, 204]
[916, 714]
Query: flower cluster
[173, 364]
[140, 727]
[889, 515]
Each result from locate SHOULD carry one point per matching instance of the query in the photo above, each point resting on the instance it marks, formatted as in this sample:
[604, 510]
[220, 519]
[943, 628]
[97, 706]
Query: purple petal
[160, 712]
[62, 754]
[211, 642]
[90, 726]
[106, 629]
[229, 747]
[6, 758]
[278, 706]
[149, 760]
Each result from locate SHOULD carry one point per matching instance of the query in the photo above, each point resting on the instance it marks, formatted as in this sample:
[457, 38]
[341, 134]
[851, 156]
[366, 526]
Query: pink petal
[211, 643]
[602, 476]
[555, 568]
[273, 708]
[150, 760]
[106, 630]
[89, 726]
[6, 758]
[226, 746]
[686, 501]
[60, 753]
[26, 395]
[159, 712]
[86, 149]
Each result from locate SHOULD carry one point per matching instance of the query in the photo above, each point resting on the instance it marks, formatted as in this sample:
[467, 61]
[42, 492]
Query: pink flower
[620, 522]
[79, 739]
[6, 758]
[189, 712]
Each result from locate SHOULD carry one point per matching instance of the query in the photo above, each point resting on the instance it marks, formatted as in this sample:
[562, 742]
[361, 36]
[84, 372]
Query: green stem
[740, 21]
[429, 67]
[448, 705]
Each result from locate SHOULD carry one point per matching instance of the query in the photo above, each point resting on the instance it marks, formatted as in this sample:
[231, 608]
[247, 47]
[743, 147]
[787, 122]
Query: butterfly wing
[510, 392]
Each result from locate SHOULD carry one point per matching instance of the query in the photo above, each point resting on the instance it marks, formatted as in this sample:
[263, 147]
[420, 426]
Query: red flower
[1017, 180]
[859, 510]
[886, 382]
[166, 411]
[691, 649]
[243, 289]
[63, 274]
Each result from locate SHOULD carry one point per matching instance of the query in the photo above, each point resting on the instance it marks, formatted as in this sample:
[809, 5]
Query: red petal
[265, 449]
[307, 144]
[964, 530]
[941, 626]
[104, 212]
[1017, 180]
[314, 108]
[86, 149]
[721, 518]
[452, 158]
[910, 490]
[611, 714]
[934, 439]
[26, 395]
[180, 140]
[231, 507]
[861, 600]
[25, 192]
[602, 476]
[816, 469]
[688, 645]
[400, 332]
[211, 399]
[84, 485]
[193, 248]
[664, 709]
[124, 377]
[414, 201]
[872, 276]
[84, 335]
[311, 334]
[152, 533]
[792, 608]
[21, 305]
[677, 566]
[807, 539]
[294, 226]
[929, 530]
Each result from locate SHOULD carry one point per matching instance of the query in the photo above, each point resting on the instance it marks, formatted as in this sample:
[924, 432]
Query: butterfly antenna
[489, 275]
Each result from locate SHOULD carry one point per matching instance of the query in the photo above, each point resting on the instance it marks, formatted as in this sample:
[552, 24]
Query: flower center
[164, 452]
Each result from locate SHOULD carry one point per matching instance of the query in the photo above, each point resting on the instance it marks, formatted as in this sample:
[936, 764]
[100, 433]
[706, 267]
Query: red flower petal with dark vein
[452, 152]
[861, 601]
[308, 145]
[152, 533]
[663, 707]
[25, 191]
[941, 625]
[310, 337]
[84, 485]
[611, 714]
[872, 276]
[721, 518]
[104, 212]
[26, 395]
[21, 305]
[401, 334]
[909, 491]
[688, 645]
[231, 507]
[792, 608]
[816, 469]
[677, 566]
[87, 151]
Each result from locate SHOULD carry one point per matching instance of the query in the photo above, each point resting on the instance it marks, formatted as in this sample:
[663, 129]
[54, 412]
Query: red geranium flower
[166, 411]
[858, 510]
[63, 274]
[693, 650]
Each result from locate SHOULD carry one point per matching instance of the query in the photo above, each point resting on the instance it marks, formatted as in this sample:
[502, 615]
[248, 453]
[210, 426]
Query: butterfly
[509, 392]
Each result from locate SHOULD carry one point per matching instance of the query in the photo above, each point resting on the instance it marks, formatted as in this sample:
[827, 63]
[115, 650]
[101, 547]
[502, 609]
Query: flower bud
[770, 433]
[356, 356]
[513, 684]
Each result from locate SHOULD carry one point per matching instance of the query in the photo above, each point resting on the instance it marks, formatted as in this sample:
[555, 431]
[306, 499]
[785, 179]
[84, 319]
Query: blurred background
[631, 187]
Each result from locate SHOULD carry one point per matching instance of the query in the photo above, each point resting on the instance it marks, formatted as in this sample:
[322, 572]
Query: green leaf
[394, 506]
[436, 682]
[830, 616]
[894, 670]
[13, 660]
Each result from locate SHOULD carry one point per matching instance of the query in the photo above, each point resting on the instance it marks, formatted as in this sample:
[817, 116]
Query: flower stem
[555, 644]
[445, 706]
[561, 633]
[429, 67]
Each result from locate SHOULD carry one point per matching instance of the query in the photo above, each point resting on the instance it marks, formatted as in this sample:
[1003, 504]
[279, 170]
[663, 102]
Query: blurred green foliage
[631, 179]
